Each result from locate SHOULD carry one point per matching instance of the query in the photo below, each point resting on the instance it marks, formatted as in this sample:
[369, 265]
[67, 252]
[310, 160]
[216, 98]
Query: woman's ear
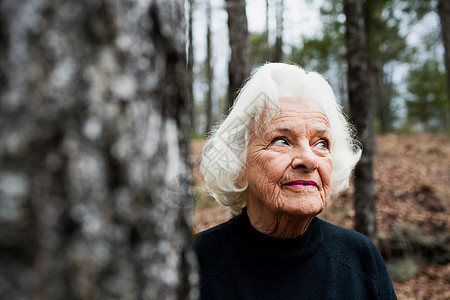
[241, 181]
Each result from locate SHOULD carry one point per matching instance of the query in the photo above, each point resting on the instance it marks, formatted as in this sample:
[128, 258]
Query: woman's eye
[323, 144]
[280, 141]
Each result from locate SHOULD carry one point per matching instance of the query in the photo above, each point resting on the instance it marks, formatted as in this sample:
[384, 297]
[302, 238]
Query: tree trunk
[266, 34]
[381, 91]
[361, 114]
[239, 65]
[94, 146]
[379, 96]
[444, 15]
[279, 31]
[190, 70]
[209, 73]
[386, 92]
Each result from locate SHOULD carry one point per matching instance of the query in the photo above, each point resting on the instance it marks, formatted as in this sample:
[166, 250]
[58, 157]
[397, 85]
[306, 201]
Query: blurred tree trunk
[190, 69]
[278, 57]
[384, 45]
[266, 34]
[361, 114]
[384, 111]
[444, 15]
[239, 65]
[94, 146]
[381, 90]
[372, 11]
[209, 73]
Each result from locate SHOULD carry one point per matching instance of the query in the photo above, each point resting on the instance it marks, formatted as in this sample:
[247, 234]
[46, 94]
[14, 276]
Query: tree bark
[278, 57]
[444, 15]
[190, 69]
[379, 96]
[266, 34]
[361, 114]
[209, 72]
[239, 65]
[381, 90]
[94, 146]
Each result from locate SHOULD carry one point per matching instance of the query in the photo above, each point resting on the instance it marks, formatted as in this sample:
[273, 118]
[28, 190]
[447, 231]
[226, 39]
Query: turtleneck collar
[275, 250]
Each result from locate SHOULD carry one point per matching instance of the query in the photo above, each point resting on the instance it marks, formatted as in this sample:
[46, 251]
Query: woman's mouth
[302, 184]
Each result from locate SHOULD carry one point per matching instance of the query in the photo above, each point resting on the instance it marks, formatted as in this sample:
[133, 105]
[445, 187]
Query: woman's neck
[278, 224]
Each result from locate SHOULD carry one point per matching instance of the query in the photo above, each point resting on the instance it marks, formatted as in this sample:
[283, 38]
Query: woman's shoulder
[352, 248]
[344, 237]
[214, 251]
[213, 232]
[209, 239]
[357, 253]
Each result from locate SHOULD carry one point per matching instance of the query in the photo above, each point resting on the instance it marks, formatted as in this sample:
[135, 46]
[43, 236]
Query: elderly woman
[277, 158]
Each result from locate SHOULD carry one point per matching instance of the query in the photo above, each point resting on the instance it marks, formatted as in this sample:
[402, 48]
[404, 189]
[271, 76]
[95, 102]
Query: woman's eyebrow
[317, 130]
[270, 133]
[282, 130]
[322, 131]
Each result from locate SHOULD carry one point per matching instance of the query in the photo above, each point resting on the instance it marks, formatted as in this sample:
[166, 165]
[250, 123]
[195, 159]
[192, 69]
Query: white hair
[224, 153]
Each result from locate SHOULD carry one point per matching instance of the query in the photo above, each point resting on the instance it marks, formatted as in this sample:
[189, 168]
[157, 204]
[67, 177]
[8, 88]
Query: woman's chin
[302, 210]
[304, 206]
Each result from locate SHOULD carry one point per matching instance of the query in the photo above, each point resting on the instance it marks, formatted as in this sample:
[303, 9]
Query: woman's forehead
[299, 112]
[314, 125]
[299, 104]
[295, 119]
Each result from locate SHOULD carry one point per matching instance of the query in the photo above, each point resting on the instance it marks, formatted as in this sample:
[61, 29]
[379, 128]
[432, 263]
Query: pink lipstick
[302, 184]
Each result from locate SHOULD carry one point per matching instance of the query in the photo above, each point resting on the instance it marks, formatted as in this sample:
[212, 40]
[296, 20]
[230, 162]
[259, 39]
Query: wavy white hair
[224, 153]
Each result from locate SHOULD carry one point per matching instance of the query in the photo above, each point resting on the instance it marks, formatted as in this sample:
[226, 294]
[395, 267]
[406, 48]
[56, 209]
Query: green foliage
[261, 51]
[383, 25]
[417, 9]
[387, 23]
[326, 53]
[428, 100]
[197, 136]
[327, 50]
[319, 54]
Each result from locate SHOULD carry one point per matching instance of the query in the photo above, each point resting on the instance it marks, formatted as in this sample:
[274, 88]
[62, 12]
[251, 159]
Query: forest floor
[412, 175]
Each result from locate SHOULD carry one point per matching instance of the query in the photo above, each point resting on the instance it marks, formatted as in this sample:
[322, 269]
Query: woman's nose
[305, 158]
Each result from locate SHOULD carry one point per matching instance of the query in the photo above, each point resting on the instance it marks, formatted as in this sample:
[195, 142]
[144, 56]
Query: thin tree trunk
[190, 69]
[266, 34]
[94, 143]
[444, 15]
[380, 91]
[424, 114]
[361, 114]
[279, 31]
[385, 91]
[342, 85]
[239, 65]
[209, 73]
[380, 97]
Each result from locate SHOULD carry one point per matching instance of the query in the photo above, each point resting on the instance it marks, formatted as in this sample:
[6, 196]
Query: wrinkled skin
[288, 170]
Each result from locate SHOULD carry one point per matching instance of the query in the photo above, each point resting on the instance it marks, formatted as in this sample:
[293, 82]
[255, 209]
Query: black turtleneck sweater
[326, 262]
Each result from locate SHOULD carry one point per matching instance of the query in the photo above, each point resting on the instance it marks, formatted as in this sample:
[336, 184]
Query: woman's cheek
[325, 169]
[274, 163]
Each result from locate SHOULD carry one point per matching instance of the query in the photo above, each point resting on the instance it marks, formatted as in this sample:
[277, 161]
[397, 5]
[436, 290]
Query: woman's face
[288, 167]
